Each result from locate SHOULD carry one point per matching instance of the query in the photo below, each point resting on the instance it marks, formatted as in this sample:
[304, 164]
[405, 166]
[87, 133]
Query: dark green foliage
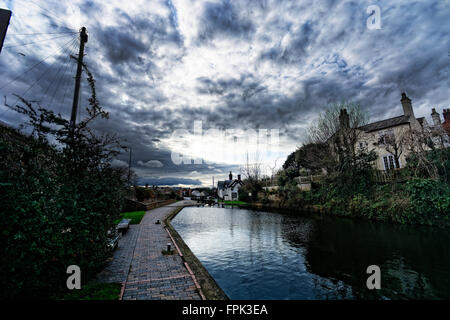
[95, 291]
[430, 200]
[353, 177]
[243, 195]
[310, 156]
[250, 186]
[437, 159]
[314, 157]
[58, 202]
[142, 193]
[286, 176]
[351, 191]
[291, 162]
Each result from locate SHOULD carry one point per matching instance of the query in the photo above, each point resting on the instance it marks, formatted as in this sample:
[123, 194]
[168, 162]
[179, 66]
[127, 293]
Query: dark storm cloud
[122, 46]
[280, 63]
[169, 181]
[222, 19]
[246, 85]
[296, 50]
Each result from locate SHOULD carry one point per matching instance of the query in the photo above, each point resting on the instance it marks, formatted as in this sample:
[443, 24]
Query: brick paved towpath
[146, 273]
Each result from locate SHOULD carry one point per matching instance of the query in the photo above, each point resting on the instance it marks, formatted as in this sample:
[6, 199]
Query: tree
[252, 175]
[60, 196]
[393, 143]
[329, 122]
[315, 157]
[292, 162]
[338, 127]
[424, 159]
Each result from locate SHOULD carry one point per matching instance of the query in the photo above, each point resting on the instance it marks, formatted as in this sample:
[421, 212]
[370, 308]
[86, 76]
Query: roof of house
[421, 120]
[387, 123]
[227, 183]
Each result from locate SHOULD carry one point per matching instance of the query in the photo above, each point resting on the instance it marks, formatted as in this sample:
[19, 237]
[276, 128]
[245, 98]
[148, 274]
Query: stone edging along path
[147, 274]
[209, 286]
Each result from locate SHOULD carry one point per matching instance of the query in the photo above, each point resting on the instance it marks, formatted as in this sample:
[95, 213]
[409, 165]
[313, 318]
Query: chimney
[344, 119]
[239, 177]
[230, 176]
[446, 113]
[446, 124]
[407, 106]
[436, 117]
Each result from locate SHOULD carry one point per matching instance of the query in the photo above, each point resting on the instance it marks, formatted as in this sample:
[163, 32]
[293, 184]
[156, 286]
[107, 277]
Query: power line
[67, 87]
[57, 78]
[63, 75]
[34, 83]
[67, 65]
[38, 33]
[41, 40]
[43, 74]
[68, 50]
[35, 65]
[48, 11]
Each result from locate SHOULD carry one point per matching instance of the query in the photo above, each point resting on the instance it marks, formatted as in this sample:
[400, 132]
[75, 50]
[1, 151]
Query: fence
[309, 179]
[379, 176]
[394, 175]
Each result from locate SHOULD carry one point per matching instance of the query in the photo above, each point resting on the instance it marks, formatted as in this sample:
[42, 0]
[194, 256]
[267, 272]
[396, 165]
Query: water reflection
[261, 255]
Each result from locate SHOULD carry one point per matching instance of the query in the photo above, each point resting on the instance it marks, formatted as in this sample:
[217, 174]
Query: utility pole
[83, 40]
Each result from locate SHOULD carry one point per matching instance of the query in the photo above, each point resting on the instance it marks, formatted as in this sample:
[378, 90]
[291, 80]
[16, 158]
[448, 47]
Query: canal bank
[209, 286]
[354, 213]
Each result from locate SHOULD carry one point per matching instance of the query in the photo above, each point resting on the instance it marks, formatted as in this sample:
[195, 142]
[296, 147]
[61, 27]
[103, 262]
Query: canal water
[263, 255]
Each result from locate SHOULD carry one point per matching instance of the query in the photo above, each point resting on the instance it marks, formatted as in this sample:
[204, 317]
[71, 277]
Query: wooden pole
[76, 94]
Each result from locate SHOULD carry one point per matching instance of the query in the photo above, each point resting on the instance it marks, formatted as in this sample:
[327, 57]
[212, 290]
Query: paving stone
[146, 272]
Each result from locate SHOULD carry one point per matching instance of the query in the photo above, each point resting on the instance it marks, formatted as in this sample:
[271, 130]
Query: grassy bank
[233, 202]
[95, 291]
[135, 216]
[418, 202]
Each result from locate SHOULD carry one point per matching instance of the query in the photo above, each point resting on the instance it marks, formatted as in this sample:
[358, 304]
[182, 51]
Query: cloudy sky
[222, 81]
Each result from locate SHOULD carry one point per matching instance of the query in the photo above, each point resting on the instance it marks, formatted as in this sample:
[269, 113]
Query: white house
[386, 137]
[229, 189]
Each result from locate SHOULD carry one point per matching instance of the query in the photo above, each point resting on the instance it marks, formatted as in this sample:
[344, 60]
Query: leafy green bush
[96, 291]
[142, 193]
[430, 199]
[58, 202]
[438, 159]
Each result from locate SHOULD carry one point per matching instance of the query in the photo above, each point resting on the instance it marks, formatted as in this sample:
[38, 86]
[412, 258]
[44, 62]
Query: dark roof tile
[387, 123]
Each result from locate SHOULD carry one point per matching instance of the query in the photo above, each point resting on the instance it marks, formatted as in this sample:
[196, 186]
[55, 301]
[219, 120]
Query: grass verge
[95, 291]
[135, 216]
[234, 202]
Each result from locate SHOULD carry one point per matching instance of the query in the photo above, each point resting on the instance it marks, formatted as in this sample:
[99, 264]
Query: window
[234, 195]
[390, 163]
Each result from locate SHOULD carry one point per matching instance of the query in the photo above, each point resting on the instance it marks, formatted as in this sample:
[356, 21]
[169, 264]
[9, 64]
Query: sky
[200, 88]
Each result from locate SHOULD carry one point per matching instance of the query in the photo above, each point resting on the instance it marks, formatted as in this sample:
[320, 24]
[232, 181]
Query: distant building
[229, 189]
[198, 195]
